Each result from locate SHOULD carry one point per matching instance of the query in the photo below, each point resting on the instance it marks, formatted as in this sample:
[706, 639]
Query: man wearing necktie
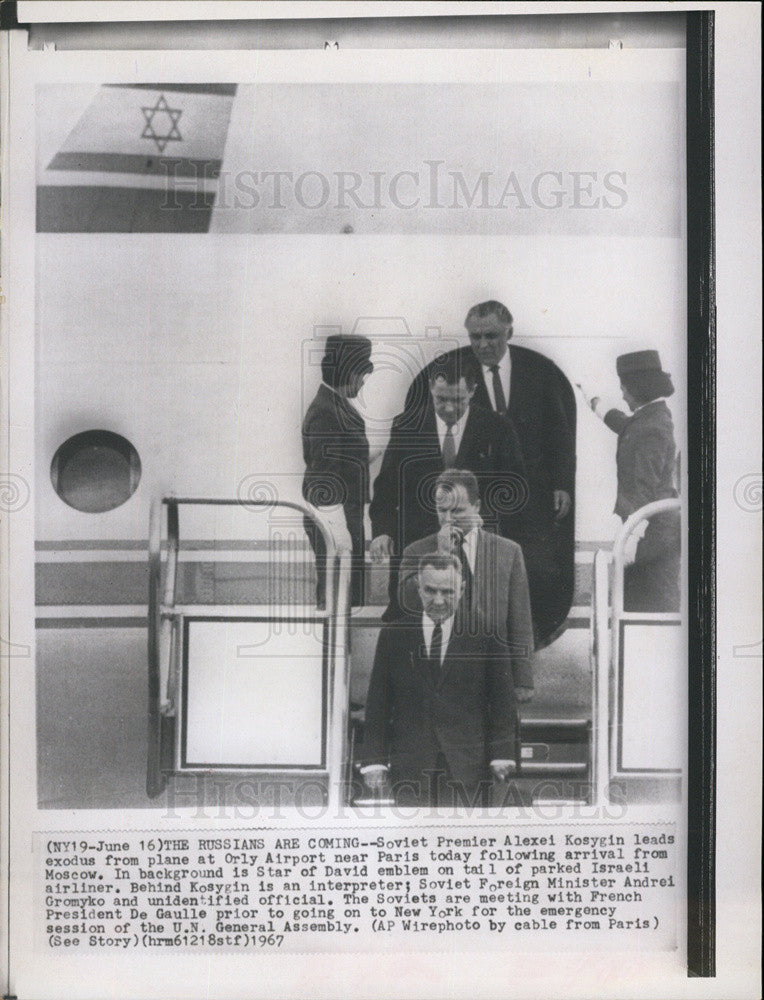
[499, 379]
[451, 431]
[536, 402]
[493, 570]
[441, 716]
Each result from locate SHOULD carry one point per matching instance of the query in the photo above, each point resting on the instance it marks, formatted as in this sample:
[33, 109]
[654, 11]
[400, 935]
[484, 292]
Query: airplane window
[95, 471]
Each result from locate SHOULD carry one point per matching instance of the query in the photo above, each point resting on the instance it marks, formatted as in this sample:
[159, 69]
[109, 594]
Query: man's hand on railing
[381, 548]
[523, 694]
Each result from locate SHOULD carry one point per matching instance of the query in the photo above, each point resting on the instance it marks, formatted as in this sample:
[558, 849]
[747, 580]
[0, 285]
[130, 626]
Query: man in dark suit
[531, 394]
[450, 432]
[495, 583]
[336, 453]
[441, 717]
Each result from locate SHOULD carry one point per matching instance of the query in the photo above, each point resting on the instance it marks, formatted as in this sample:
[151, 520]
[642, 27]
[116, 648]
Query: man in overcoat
[441, 716]
[535, 399]
[451, 432]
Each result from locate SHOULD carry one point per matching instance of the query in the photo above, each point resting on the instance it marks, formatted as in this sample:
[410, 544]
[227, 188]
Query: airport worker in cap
[646, 468]
[336, 452]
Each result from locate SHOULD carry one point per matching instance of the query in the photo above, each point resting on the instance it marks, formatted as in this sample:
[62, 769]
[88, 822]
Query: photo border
[701, 477]
[701, 501]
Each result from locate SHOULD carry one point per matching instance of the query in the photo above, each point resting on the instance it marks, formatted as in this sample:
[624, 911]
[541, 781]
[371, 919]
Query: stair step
[555, 730]
[554, 767]
[554, 753]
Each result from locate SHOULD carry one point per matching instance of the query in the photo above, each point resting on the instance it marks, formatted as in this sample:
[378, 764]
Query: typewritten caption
[318, 891]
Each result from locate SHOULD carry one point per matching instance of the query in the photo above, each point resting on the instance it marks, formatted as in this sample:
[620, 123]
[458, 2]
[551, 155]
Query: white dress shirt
[458, 430]
[505, 373]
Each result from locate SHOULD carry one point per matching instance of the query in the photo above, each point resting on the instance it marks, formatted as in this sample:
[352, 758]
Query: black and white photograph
[425, 351]
[355, 459]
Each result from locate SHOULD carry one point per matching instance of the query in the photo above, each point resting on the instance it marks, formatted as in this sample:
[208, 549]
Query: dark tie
[449, 448]
[466, 571]
[435, 645]
[498, 391]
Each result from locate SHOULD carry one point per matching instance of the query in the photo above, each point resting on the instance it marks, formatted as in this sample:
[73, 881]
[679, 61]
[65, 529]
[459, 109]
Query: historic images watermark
[430, 185]
[747, 494]
[273, 797]
[14, 493]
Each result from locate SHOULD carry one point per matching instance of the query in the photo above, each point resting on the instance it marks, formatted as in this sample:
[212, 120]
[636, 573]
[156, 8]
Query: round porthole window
[95, 471]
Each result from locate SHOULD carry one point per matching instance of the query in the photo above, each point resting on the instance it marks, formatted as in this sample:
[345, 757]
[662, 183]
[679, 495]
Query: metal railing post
[167, 650]
[601, 671]
[155, 782]
[643, 514]
[340, 662]
[618, 614]
[164, 662]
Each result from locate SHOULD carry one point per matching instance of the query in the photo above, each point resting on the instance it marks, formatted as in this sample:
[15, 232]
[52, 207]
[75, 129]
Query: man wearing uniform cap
[645, 462]
[336, 453]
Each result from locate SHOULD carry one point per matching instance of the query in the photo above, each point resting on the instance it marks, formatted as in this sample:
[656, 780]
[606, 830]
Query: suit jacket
[645, 460]
[498, 598]
[469, 713]
[336, 453]
[541, 409]
[403, 504]
[542, 412]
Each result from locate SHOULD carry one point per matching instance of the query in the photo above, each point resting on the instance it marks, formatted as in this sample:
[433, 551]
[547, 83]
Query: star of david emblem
[161, 123]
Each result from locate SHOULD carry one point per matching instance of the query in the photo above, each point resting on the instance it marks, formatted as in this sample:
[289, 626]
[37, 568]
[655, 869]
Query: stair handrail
[162, 651]
[645, 513]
